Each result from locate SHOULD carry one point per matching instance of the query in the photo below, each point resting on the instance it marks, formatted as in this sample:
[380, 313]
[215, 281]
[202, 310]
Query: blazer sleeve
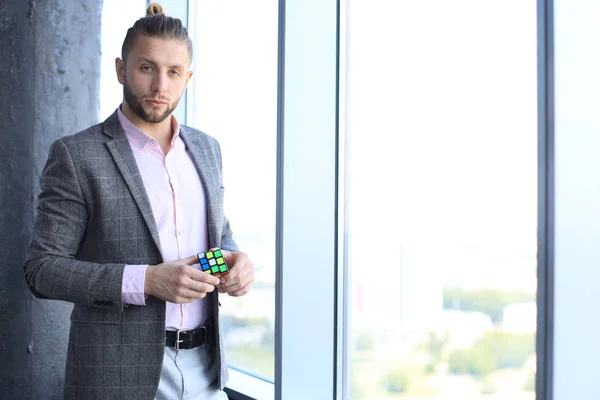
[227, 242]
[51, 268]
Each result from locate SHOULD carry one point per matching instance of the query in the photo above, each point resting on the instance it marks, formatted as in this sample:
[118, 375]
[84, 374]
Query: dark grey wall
[49, 85]
[16, 192]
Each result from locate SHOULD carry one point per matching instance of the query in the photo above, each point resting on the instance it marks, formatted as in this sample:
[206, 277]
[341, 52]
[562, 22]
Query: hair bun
[154, 9]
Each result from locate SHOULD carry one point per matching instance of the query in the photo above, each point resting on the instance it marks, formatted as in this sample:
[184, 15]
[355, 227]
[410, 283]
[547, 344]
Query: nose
[159, 83]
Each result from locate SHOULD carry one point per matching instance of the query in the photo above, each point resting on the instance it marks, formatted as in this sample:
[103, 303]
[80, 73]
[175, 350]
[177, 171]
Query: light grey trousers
[189, 375]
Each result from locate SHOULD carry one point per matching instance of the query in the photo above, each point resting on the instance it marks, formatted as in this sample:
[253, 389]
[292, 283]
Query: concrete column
[49, 80]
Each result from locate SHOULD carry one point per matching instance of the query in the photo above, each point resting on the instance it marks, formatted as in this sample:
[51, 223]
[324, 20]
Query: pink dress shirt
[177, 199]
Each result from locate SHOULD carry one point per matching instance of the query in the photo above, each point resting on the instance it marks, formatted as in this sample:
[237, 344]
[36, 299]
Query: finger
[234, 277]
[239, 283]
[239, 272]
[191, 260]
[243, 290]
[189, 288]
[236, 267]
[205, 277]
[200, 287]
[230, 257]
[231, 276]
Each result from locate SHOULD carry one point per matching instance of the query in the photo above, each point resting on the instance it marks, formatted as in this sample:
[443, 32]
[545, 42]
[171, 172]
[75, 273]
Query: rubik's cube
[213, 262]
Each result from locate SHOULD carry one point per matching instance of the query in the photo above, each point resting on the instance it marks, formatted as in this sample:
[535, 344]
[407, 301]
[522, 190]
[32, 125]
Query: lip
[156, 102]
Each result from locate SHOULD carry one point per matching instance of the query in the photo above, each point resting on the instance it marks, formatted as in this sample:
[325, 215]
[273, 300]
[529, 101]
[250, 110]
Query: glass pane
[234, 99]
[442, 198]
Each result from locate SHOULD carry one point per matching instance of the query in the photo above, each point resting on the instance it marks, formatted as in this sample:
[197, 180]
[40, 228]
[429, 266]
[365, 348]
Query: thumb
[191, 260]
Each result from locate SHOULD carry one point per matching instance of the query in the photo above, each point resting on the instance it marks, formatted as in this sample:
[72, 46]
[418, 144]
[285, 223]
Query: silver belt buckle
[177, 340]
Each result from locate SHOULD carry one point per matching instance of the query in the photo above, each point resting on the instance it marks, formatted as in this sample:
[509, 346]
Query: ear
[189, 76]
[120, 67]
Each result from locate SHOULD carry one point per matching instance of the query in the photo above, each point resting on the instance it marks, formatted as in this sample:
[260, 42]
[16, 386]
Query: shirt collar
[138, 137]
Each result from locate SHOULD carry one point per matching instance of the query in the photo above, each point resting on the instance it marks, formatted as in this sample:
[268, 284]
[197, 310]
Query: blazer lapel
[197, 147]
[120, 149]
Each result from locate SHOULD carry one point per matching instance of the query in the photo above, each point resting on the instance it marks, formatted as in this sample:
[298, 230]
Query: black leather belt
[188, 339]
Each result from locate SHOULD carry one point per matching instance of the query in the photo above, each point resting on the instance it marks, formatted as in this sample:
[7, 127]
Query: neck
[162, 132]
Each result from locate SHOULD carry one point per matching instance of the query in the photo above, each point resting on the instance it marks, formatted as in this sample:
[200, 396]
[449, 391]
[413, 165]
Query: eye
[174, 72]
[146, 68]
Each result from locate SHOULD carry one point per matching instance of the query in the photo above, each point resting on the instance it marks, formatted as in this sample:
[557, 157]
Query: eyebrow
[149, 61]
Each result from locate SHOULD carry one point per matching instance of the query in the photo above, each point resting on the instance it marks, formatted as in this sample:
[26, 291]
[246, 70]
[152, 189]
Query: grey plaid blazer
[94, 217]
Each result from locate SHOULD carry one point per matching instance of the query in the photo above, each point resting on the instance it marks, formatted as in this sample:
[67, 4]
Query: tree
[364, 341]
[436, 345]
[396, 381]
[495, 350]
[459, 362]
[488, 301]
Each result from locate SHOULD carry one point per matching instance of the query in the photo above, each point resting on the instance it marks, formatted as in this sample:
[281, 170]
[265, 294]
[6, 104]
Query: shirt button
[152, 142]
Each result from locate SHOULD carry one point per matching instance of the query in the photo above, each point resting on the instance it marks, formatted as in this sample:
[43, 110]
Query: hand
[178, 282]
[240, 278]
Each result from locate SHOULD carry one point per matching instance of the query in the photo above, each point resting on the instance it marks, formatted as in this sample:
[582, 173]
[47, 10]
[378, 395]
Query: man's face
[154, 76]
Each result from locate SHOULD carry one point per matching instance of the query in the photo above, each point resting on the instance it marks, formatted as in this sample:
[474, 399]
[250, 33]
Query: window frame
[328, 61]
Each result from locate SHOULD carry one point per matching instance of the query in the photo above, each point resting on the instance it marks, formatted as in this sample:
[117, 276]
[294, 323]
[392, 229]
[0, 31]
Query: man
[126, 206]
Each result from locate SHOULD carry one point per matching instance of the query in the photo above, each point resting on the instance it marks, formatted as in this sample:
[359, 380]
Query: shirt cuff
[134, 281]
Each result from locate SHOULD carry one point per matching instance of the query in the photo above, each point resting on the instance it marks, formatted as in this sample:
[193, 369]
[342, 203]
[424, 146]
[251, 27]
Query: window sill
[243, 386]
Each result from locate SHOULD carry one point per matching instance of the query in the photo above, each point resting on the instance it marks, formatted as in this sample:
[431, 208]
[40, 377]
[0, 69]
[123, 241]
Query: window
[233, 97]
[442, 198]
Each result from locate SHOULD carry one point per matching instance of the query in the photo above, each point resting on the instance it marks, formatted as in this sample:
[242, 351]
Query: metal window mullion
[545, 294]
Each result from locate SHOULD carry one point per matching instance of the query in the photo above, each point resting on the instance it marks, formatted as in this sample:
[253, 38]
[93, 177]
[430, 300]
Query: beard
[135, 102]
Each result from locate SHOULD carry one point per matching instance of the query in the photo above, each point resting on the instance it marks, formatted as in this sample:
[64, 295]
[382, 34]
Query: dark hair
[156, 23]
